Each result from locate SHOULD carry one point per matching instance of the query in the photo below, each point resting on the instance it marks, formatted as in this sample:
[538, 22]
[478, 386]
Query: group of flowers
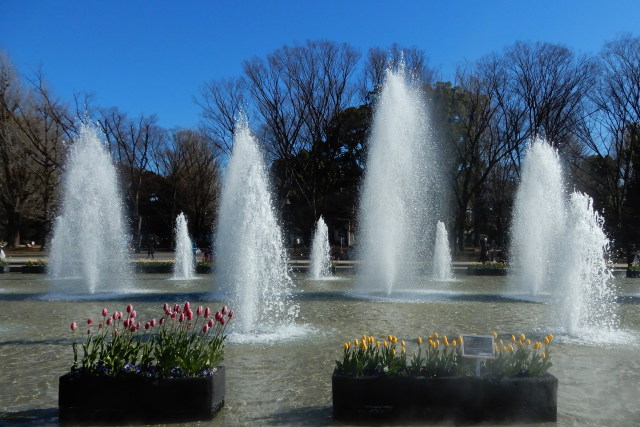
[440, 356]
[489, 264]
[180, 343]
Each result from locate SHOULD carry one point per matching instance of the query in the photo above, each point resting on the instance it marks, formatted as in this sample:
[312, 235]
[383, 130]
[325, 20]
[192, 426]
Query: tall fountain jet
[184, 267]
[251, 261]
[89, 237]
[320, 263]
[442, 254]
[538, 219]
[401, 191]
[559, 247]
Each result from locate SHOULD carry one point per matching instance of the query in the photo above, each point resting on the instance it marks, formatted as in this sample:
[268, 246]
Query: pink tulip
[199, 311]
[133, 314]
[205, 328]
[181, 318]
[210, 323]
[109, 321]
[189, 314]
[153, 322]
[114, 316]
[224, 310]
[222, 320]
[138, 325]
[125, 323]
[129, 308]
[218, 315]
[119, 315]
[173, 315]
[147, 325]
[89, 321]
[230, 314]
[162, 321]
[165, 307]
[132, 328]
[176, 308]
[74, 326]
[207, 312]
[104, 312]
[187, 306]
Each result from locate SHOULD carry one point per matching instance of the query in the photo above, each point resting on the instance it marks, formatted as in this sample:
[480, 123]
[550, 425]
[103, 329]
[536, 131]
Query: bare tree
[613, 134]
[131, 143]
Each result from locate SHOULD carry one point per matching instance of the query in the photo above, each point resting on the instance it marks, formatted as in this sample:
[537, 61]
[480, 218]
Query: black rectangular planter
[134, 398]
[633, 273]
[34, 269]
[5, 269]
[469, 399]
[475, 271]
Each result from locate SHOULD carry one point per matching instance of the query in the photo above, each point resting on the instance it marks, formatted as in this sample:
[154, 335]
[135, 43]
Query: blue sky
[152, 56]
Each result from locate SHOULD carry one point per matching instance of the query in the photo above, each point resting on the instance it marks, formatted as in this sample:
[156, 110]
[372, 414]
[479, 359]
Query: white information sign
[478, 346]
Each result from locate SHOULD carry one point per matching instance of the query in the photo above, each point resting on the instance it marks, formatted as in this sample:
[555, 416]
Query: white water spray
[442, 254]
[401, 191]
[251, 262]
[320, 263]
[89, 234]
[184, 267]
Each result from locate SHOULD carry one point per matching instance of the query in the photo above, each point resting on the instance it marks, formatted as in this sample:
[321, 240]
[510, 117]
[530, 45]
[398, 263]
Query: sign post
[478, 347]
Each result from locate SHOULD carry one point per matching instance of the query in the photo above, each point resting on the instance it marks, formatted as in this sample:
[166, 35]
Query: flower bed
[487, 269]
[35, 266]
[169, 368]
[204, 267]
[634, 271]
[376, 380]
[154, 266]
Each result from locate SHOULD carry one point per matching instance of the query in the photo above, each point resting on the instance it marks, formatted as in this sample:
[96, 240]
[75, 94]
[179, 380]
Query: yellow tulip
[377, 344]
[454, 343]
[445, 339]
[446, 344]
[437, 342]
[501, 343]
[511, 347]
[364, 338]
[404, 350]
[347, 345]
[389, 337]
[550, 336]
[504, 349]
[356, 342]
[522, 337]
[520, 343]
[545, 340]
[544, 355]
[460, 339]
[495, 335]
[513, 338]
[395, 340]
[402, 343]
[371, 340]
[385, 344]
[528, 342]
[419, 340]
[435, 335]
[363, 345]
[393, 351]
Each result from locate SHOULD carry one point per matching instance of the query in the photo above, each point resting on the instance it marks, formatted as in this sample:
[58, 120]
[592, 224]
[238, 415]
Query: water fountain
[538, 220]
[251, 262]
[320, 263]
[442, 254]
[559, 246]
[89, 237]
[184, 268]
[584, 299]
[401, 190]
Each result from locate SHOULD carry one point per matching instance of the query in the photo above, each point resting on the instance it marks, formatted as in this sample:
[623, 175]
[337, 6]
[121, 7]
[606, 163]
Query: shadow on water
[32, 417]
